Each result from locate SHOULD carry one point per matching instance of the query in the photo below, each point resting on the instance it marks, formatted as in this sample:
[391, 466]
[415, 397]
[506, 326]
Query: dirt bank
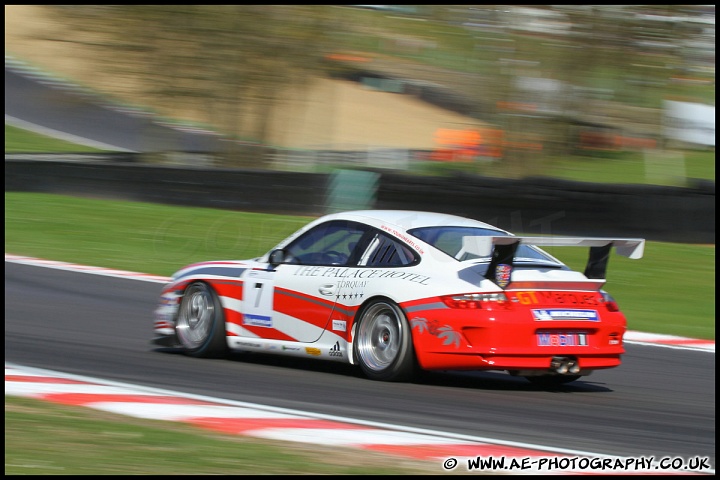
[330, 114]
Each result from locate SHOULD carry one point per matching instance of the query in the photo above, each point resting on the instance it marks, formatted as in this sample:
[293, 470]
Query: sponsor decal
[313, 351]
[563, 298]
[360, 273]
[247, 344]
[257, 320]
[562, 339]
[290, 349]
[546, 314]
[339, 325]
[445, 332]
[404, 238]
[502, 275]
[335, 350]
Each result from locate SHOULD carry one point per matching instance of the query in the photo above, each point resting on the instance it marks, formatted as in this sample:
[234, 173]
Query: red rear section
[517, 330]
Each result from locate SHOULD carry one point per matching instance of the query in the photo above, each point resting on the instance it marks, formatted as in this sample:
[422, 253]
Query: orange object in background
[455, 145]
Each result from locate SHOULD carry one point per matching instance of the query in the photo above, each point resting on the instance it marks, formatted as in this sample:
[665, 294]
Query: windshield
[454, 240]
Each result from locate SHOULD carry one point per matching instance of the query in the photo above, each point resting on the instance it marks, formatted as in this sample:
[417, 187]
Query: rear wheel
[552, 380]
[200, 325]
[383, 342]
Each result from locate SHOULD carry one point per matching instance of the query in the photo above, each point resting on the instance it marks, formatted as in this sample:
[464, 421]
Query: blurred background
[581, 92]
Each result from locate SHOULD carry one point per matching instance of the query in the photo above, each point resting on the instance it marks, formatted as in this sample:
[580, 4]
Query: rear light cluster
[473, 301]
[610, 302]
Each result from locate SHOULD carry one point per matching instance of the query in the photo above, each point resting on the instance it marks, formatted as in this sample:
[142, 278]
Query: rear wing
[502, 249]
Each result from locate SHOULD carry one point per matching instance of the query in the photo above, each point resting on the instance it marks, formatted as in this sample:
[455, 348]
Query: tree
[223, 65]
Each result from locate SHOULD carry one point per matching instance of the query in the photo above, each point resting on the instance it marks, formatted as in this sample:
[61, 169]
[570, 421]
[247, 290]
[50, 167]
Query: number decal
[257, 306]
[259, 287]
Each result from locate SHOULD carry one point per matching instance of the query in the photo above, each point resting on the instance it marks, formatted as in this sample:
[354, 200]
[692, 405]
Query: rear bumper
[515, 338]
[525, 363]
[586, 362]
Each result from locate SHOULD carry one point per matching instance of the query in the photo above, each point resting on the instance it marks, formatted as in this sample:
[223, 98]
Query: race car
[396, 292]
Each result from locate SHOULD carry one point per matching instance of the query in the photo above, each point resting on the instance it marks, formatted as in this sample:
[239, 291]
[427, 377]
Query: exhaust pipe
[564, 365]
[573, 367]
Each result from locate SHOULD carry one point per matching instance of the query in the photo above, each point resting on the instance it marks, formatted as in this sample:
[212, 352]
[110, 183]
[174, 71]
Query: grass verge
[43, 438]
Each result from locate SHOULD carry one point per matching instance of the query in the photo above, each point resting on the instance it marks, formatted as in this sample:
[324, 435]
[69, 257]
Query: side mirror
[277, 257]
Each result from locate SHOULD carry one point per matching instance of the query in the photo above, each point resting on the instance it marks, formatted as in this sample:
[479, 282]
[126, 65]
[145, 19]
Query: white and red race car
[396, 291]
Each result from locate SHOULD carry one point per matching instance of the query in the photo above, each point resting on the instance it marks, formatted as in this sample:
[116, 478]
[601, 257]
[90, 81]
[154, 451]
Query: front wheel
[200, 325]
[383, 343]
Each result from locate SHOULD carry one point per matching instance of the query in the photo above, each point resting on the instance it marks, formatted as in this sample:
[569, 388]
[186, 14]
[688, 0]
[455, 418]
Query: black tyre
[549, 381]
[383, 343]
[200, 325]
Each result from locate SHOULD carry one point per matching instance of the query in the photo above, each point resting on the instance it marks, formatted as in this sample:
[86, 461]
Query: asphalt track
[660, 402]
[52, 107]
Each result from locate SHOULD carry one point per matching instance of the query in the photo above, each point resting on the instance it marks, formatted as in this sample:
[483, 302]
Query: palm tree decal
[421, 323]
[445, 332]
[449, 336]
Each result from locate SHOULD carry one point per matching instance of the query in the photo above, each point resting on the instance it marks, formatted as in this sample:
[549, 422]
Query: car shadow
[296, 363]
[478, 380]
[500, 381]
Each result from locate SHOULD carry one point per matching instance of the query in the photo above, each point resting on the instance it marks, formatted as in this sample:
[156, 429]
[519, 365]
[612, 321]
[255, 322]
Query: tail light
[610, 302]
[474, 301]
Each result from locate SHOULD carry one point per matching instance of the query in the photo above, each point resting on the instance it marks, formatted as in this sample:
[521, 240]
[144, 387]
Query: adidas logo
[335, 350]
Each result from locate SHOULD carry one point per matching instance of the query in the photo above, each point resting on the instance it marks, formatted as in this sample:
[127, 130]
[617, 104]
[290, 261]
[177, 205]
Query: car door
[295, 300]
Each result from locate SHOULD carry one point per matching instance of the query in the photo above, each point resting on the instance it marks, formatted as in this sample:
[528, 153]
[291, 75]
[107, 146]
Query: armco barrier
[251, 190]
[550, 206]
[533, 206]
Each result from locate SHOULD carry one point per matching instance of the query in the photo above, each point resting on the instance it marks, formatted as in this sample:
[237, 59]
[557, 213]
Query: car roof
[407, 219]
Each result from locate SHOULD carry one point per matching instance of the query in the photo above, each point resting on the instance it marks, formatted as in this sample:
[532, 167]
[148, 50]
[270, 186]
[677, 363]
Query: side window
[330, 243]
[384, 251]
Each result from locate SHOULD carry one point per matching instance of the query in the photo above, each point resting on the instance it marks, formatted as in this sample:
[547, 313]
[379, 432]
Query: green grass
[657, 168]
[135, 236]
[18, 140]
[671, 290]
[674, 168]
[43, 438]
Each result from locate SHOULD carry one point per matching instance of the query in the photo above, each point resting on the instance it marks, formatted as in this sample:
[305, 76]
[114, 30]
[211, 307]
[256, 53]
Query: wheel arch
[404, 366]
[185, 283]
[358, 313]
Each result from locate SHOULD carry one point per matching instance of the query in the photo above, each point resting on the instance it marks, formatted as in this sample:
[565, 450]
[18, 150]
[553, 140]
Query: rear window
[450, 241]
